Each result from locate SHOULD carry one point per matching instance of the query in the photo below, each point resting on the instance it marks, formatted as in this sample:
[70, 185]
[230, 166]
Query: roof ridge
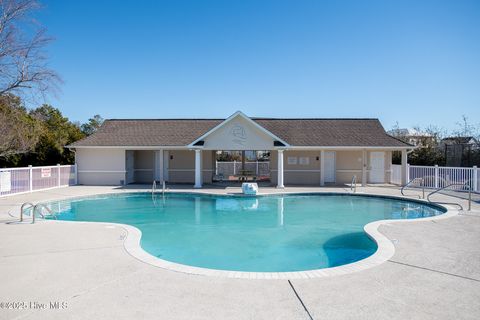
[219, 119]
[165, 119]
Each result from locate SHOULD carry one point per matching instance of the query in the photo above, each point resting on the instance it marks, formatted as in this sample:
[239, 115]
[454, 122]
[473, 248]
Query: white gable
[238, 134]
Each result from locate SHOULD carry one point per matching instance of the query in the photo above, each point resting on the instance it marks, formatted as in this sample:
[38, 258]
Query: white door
[377, 167]
[329, 166]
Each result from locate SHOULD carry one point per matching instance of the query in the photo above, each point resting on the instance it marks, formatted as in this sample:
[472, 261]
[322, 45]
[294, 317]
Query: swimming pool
[274, 233]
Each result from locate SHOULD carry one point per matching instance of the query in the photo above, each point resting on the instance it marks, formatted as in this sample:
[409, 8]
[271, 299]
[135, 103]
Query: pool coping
[385, 247]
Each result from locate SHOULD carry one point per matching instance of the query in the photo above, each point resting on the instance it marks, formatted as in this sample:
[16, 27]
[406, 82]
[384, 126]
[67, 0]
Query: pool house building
[276, 151]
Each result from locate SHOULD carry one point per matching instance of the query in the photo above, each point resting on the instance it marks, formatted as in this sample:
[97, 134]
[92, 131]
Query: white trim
[39, 167]
[298, 170]
[288, 147]
[349, 170]
[190, 170]
[102, 171]
[241, 114]
[332, 148]
[135, 148]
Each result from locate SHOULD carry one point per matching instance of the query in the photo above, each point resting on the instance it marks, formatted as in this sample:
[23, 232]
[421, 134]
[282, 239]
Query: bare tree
[23, 63]
[466, 129]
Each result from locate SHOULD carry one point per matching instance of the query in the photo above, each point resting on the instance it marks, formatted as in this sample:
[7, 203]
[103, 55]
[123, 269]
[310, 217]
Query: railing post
[436, 176]
[257, 169]
[75, 175]
[30, 177]
[234, 165]
[59, 182]
[474, 179]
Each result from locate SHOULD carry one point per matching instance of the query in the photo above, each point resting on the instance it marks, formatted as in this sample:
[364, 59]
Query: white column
[75, 168]
[159, 176]
[404, 168]
[280, 170]
[364, 168]
[322, 168]
[198, 168]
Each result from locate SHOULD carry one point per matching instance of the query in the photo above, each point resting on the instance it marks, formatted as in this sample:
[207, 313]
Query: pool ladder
[353, 185]
[154, 187]
[35, 209]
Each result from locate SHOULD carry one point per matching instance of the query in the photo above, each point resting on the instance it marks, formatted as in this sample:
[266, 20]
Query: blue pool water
[266, 233]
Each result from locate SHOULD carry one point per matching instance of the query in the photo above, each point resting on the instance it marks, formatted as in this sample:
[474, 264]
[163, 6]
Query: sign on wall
[304, 161]
[292, 160]
[239, 134]
[46, 172]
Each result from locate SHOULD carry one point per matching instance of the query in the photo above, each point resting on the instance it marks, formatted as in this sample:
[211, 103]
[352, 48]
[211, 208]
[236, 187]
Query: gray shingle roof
[296, 132]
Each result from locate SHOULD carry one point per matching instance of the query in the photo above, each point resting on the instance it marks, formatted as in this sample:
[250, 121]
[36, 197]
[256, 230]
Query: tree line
[38, 136]
[430, 143]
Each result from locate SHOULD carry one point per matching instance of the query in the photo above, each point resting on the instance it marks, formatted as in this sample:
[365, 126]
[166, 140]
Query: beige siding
[208, 166]
[348, 164]
[238, 134]
[100, 166]
[297, 174]
[107, 166]
[182, 166]
[144, 166]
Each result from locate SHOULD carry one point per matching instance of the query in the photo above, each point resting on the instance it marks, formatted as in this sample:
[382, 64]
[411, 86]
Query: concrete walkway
[434, 274]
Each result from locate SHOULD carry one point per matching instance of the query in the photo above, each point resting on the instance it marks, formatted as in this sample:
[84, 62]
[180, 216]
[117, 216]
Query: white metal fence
[438, 177]
[231, 168]
[29, 179]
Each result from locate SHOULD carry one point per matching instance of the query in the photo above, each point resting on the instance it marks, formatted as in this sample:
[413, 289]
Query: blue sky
[415, 62]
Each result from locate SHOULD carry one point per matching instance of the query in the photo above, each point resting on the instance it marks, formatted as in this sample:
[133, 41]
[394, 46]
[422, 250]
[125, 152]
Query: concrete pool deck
[434, 273]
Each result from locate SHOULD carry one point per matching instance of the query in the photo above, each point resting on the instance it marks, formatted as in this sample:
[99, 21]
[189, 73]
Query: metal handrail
[453, 203]
[354, 184]
[410, 182]
[41, 205]
[154, 187]
[23, 207]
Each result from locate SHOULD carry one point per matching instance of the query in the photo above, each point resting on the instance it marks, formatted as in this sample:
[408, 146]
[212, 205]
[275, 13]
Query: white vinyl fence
[29, 179]
[231, 168]
[438, 177]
